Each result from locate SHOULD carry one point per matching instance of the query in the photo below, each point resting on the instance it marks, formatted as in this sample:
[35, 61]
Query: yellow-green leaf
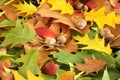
[32, 77]
[62, 5]
[17, 76]
[96, 44]
[100, 18]
[29, 9]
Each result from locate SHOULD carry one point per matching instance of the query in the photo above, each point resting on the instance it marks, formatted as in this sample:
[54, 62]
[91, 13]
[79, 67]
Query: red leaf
[91, 4]
[45, 32]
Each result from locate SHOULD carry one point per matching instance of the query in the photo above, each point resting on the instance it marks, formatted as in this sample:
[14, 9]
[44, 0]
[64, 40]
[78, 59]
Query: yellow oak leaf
[17, 76]
[62, 5]
[96, 44]
[29, 9]
[100, 18]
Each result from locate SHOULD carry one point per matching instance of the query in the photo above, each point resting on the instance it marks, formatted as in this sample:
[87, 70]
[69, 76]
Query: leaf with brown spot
[91, 65]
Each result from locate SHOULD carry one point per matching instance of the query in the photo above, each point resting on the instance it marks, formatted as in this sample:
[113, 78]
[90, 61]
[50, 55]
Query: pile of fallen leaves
[59, 40]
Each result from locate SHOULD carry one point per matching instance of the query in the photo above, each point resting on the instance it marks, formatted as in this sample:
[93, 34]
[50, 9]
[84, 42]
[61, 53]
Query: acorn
[48, 36]
[50, 68]
[61, 39]
[50, 42]
[81, 23]
[106, 33]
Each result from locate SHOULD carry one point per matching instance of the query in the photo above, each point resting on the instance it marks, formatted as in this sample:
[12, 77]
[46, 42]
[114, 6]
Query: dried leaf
[61, 5]
[10, 10]
[91, 65]
[70, 46]
[101, 19]
[55, 27]
[68, 75]
[99, 3]
[95, 44]
[42, 2]
[64, 19]
[116, 31]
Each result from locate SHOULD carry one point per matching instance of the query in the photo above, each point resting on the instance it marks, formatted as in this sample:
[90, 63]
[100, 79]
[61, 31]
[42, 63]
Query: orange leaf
[69, 75]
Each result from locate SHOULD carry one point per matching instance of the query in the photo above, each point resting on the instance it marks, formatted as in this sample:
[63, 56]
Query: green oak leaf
[17, 35]
[66, 57]
[7, 22]
[97, 54]
[29, 61]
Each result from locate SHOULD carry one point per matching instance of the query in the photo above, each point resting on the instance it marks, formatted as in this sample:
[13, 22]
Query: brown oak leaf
[64, 19]
[10, 11]
[99, 3]
[91, 65]
[116, 31]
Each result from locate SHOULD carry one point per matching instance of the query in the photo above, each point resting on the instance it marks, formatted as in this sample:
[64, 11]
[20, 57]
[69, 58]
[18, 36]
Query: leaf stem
[118, 36]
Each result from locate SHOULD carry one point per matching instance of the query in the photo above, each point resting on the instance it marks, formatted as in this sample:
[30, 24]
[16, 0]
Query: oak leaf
[99, 3]
[11, 36]
[10, 10]
[42, 2]
[101, 19]
[91, 65]
[95, 44]
[30, 61]
[64, 19]
[29, 9]
[61, 5]
[115, 42]
[17, 76]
